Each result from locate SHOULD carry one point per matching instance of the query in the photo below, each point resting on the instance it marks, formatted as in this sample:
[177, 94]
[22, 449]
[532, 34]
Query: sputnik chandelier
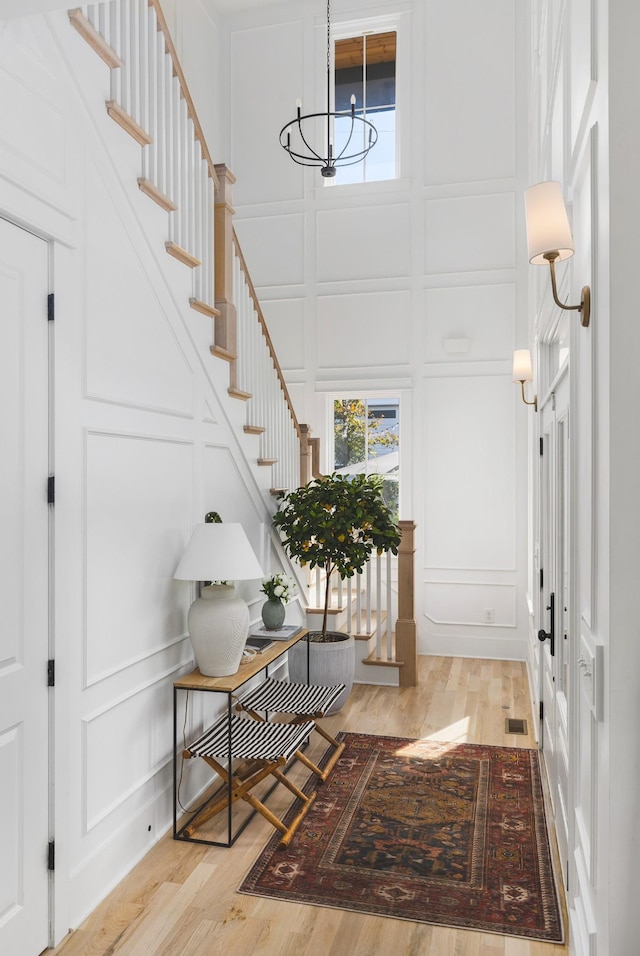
[296, 136]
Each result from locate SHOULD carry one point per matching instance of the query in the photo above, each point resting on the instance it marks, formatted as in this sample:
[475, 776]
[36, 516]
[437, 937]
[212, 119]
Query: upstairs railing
[258, 371]
[149, 98]
[377, 606]
[368, 600]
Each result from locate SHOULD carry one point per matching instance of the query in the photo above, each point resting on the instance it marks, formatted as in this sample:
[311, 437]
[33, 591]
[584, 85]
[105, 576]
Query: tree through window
[366, 441]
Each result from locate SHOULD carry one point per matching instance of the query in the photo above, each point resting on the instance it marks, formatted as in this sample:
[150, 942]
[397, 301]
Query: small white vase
[218, 624]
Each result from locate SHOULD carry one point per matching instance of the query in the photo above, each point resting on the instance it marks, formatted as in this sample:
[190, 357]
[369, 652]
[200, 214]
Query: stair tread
[128, 124]
[204, 307]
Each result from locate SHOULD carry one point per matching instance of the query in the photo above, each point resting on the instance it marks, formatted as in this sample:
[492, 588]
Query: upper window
[365, 67]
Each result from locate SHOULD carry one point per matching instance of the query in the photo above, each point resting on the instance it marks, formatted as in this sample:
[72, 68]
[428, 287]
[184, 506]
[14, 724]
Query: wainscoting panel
[121, 305]
[138, 519]
[118, 762]
[480, 143]
[276, 245]
[470, 476]
[469, 233]
[364, 330]
[345, 249]
[265, 108]
[478, 604]
[29, 102]
[452, 332]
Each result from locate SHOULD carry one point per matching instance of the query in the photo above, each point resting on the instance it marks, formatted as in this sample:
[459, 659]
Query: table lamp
[218, 620]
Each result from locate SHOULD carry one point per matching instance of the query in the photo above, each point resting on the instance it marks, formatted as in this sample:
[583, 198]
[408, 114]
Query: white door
[24, 598]
[553, 612]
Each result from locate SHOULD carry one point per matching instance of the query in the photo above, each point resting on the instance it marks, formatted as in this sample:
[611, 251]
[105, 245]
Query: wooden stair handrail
[265, 332]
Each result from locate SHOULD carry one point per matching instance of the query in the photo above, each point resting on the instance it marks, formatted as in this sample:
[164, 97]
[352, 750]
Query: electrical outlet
[488, 615]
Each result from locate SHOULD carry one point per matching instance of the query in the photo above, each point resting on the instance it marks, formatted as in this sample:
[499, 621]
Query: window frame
[385, 23]
[367, 394]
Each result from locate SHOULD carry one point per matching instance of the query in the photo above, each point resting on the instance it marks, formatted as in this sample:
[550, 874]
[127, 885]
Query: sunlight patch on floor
[454, 733]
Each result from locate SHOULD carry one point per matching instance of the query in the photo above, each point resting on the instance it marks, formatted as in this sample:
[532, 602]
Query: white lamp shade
[218, 552]
[522, 370]
[547, 223]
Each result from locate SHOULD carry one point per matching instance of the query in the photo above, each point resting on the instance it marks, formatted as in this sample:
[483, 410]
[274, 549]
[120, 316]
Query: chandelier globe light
[297, 136]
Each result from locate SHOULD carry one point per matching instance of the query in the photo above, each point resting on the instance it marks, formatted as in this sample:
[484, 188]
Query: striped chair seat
[263, 749]
[300, 701]
[280, 697]
[251, 739]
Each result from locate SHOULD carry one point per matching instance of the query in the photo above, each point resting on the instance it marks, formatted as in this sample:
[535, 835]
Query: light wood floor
[181, 900]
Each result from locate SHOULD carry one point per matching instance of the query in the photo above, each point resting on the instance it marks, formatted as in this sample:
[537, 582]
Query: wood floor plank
[182, 899]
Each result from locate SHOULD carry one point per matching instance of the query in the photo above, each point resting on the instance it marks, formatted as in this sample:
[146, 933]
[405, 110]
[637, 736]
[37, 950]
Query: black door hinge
[51, 856]
[541, 578]
[541, 710]
[541, 446]
[51, 490]
[51, 673]
[51, 307]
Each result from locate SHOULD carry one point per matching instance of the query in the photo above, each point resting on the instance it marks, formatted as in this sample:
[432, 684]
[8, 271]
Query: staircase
[150, 101]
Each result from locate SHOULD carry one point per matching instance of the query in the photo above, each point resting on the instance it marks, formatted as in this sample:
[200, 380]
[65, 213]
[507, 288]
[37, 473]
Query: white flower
[279, 586]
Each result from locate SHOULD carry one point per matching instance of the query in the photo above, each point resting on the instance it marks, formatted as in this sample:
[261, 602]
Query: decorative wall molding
[90, 820]
[475, 598]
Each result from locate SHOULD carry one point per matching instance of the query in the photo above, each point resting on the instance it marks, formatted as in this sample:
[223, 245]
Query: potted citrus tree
[334, 522]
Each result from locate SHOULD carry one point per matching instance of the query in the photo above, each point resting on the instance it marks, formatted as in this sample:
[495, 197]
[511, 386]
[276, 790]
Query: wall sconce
[549, 237]
[522, 372]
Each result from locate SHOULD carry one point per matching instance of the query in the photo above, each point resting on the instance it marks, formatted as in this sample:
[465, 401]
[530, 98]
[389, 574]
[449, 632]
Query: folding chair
[300, 701]
[263, 748]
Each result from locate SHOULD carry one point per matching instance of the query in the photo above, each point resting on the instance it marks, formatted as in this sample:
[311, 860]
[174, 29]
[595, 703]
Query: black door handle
[550, 634]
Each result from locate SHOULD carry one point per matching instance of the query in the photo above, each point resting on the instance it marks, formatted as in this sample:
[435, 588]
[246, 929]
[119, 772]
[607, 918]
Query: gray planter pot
[330, 663]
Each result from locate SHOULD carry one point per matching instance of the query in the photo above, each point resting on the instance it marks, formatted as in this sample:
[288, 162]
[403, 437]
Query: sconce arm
[585, 303]
[535, 397]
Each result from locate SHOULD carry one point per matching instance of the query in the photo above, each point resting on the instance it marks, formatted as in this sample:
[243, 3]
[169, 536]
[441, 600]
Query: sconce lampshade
[522, 369]
[218, 620]
[547, 223]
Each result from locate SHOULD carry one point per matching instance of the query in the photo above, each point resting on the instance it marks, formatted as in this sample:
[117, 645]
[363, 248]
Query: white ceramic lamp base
[218, 627]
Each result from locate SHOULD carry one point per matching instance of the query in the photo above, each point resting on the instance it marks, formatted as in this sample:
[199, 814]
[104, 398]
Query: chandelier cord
[329, 149]
[312, 157]
[328, 37]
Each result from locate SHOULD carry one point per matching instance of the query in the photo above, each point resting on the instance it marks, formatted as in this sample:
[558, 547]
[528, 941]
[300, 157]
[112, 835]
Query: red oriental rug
[453, 834]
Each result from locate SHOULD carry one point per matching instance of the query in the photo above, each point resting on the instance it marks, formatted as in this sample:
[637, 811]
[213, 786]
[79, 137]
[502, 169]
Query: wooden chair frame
[249, 771]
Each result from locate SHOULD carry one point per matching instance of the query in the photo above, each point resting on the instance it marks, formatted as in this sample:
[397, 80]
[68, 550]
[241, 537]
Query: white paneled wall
[353, 330]
[145, 441]
[368, 286]
[583, 80]
[468, 133]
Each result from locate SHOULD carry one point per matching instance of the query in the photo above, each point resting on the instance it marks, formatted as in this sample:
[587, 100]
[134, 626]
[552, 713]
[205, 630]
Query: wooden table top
[197, 681]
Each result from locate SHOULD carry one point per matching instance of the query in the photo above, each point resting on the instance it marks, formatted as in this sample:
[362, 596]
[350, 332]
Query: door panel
[553, 611]
[24, 826]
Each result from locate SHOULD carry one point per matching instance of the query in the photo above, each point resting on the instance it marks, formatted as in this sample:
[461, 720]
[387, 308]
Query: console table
[195, 681]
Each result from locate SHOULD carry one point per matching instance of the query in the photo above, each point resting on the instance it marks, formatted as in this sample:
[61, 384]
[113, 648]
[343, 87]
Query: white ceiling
[21, 8]
[230, 6]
